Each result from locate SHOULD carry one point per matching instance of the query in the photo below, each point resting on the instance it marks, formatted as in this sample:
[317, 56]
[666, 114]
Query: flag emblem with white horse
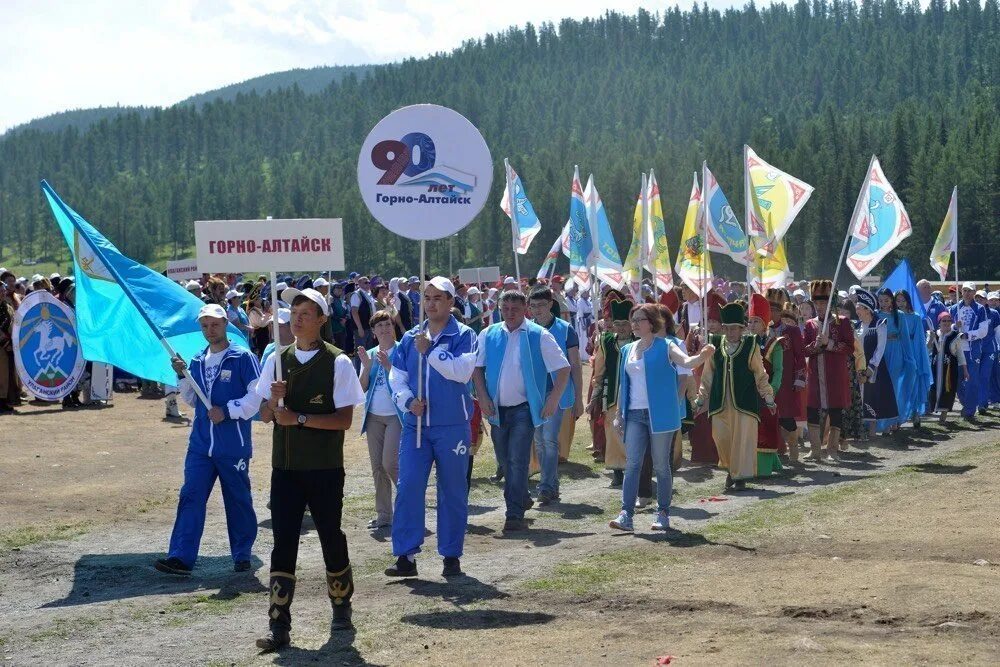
[46, 347]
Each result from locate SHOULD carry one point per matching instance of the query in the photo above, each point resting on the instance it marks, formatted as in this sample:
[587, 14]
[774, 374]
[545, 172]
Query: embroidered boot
[340, 587]
[279, 613]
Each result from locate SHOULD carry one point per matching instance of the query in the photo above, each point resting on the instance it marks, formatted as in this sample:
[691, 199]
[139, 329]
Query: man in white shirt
[515, 361]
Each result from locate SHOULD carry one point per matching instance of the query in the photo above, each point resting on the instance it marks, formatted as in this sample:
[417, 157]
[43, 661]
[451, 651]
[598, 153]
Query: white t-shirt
[512, 390]
[346, 387]
[635, 367]
[381, 404]
[211, 367]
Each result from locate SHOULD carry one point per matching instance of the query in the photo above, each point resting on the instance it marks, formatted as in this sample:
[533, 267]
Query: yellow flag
[658, 262]
[774, 198]
[770, 270]
[947, 238]
[694, 264]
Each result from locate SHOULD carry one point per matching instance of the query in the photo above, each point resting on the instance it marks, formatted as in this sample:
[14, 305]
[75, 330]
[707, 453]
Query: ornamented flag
[524, 222]
[561, 244]
[581, 243]
[654, 256]
[770, 270]
[607, 261]
[723, 232]
[694, 263]
[947, 238]
[879, 222]
[774, 198]
[124, 308]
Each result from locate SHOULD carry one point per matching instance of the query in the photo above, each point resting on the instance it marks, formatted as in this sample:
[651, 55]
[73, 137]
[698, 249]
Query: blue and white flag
[524, 222]
[124, 308]
[581, 242]
[723, 233]
[879, 222]
[607, 262]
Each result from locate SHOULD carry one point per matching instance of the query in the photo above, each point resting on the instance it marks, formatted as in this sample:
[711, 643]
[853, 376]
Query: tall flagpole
[646, 225]
[643, 235]
[958, 294]
[703, 247]
[747, 208]
[420, 327]
[514, 230]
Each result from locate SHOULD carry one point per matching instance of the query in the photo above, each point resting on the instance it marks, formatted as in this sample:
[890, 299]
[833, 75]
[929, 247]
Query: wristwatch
[301, 419]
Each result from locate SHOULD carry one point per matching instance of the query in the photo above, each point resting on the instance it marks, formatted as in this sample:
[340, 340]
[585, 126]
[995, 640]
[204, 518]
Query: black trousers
[323, 492]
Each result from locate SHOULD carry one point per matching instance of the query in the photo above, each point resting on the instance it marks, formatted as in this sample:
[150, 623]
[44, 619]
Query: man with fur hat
[732, 384]
[772, 355]
[604, 383]
[785, 327]
[828, 346]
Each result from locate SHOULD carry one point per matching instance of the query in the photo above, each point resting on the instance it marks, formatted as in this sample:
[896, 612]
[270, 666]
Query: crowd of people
[757, 383]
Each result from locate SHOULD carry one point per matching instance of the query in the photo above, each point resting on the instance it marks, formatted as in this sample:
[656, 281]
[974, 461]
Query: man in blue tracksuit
[445, 411]
[219, 446]
[988, 357]
[973, 323]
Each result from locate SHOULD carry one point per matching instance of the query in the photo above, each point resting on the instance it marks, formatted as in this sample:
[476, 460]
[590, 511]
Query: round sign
[425, 171]
[46, 348]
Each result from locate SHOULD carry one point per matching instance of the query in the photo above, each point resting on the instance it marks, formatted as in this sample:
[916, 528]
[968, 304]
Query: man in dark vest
[319, 389]
[362, 309]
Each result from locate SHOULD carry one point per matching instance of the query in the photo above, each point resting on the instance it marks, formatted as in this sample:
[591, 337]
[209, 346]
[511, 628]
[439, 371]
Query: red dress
[829, 382]
[700, 433]
[768, 436]
[793, 370]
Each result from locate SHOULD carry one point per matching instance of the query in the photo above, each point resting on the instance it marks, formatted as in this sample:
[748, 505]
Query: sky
[67, 54]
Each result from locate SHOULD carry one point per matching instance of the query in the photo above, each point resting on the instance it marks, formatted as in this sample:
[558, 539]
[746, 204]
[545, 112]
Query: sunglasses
[636, 320]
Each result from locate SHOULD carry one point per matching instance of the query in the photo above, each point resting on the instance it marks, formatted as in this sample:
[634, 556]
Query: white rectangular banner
[871, 282]
[236, 246]
[482, 274]
[183, 269]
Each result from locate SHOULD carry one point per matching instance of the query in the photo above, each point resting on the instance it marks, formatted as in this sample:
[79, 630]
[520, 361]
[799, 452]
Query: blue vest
[560, 331]
[533, 371]
[372, 381]
[661, 386]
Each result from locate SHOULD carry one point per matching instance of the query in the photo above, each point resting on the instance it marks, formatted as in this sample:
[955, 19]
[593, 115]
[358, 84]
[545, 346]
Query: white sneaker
[642, 503]
[662, 521]
[173, 412]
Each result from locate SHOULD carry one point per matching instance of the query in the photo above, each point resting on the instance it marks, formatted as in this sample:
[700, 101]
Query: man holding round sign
[425, 172]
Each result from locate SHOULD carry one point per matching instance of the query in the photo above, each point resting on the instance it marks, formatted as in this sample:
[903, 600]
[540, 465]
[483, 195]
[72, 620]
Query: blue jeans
[512, 443]
[547, 448]
[968, 390]
[637, 438]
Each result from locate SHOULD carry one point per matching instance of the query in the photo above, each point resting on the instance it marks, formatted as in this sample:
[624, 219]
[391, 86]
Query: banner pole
[514, 230]
[420, 327]
[703, 258]
[276, 331]
[847, 238]
[958, 293]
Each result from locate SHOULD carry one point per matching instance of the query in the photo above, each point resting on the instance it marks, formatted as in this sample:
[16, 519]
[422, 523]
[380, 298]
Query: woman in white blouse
[649, 409]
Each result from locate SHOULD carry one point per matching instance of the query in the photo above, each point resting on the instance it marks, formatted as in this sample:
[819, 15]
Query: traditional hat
[777, 297]
[759, 307]
[732, 313]
[866, 299]
[789, 310]
[670, 300]
[820, 289]
[612, 296]
[715, 303]
[620, 310]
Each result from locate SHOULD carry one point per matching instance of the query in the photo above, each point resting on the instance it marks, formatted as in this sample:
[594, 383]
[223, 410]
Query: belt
[513, 407]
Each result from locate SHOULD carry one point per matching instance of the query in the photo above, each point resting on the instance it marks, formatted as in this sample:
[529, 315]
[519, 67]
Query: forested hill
[814, 88]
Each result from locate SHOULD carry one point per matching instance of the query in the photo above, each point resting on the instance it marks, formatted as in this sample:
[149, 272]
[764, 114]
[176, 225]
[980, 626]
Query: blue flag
[525, 222]
[124, 308]
[581, 240]
[902, 278]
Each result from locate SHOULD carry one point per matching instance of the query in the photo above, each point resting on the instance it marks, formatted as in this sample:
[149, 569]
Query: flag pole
[957, 288]
[847, 238]
[515, 234]
[643, 235]
[703, 252]
[275, 332]
[747, 207]
[128, 293]
[420, 327]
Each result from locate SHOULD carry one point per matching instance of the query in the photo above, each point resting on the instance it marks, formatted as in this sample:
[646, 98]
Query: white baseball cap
[231, 294]
[474, 290]
[993, 295]
[193, 286]
[509, 280]
[284, 316]
[321, 282]
[970, 286]
[212, 310]
[35, 278]
[443, 284]
[799, 292]
[981, 293]
[288, 295]
[280, 287]
[54, 276]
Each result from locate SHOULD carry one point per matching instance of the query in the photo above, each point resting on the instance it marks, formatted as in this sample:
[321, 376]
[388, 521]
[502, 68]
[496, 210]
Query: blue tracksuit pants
[968, 390]
[200, 473]
[986, 363]
[446, 447]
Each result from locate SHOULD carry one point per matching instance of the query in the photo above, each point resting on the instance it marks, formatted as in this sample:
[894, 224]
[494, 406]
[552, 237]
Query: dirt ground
[887, 558]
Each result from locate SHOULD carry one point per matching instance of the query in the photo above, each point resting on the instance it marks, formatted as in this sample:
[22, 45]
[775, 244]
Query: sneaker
[375, 524]
[662, 521]
[404, 567]
[546, 498]
[173, 565]
[642, 503]
[515, 525]
[452, 567]
[497, 477]
[242, 566]
[623, 522]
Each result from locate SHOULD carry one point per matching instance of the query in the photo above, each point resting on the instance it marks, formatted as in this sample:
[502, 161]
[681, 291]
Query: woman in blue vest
[649, 409]
[381, 420]
[898, 357]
